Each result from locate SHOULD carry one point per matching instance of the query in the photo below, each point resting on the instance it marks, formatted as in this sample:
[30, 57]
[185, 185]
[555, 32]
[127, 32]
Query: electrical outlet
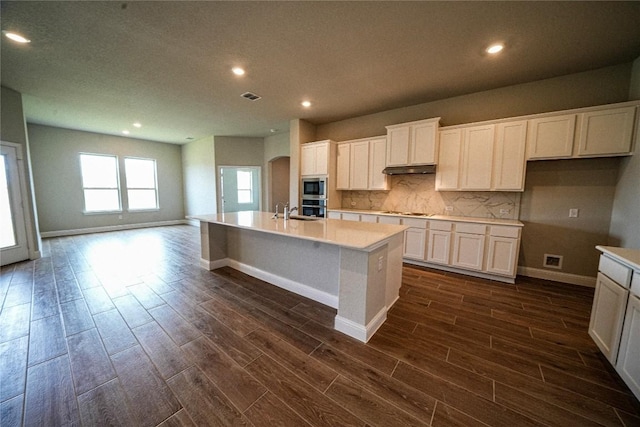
[353, 204]
[448, 208]
[573, 213]
[504, 211]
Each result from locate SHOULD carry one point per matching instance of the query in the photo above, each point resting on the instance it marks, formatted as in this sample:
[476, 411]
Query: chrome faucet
[275, 215]
[287, 211]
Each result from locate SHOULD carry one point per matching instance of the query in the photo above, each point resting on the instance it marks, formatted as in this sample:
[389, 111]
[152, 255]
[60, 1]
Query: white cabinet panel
[503, 255]
[343, 166]
[315, 158]
[377, 162]
[510, 163]
[551, 137]
[607, 315]
[388, 219]
[334, 215]
[368, 218]
[414, 242]
[447, 172]
[477, 158]
[359, 166]
[628, 365]
[606, 132]
[439, 246]
[349, 216]
[468, 251]
[423, 143]
[398, 146]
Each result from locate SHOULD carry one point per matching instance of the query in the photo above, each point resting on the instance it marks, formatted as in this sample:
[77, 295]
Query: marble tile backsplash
[416, 193]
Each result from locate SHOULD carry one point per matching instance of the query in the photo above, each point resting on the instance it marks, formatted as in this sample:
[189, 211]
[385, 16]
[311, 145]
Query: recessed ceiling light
[306, 104]
[238, 71]
[16, 37]
[137, 124]
[495, 48]
[126, 132]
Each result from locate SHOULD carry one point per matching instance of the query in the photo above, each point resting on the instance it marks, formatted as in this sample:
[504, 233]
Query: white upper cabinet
[551, 137]
[343, 166]
[588, 132]
[413, 143]
[315, 158]
[509, 156]
[360, 163]
[377, 162]
[605, 132]
[486, 157]
[359, 166]
[447, 172]
[477, 158]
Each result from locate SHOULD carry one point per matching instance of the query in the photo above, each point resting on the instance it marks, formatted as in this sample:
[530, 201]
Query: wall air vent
[251, 96]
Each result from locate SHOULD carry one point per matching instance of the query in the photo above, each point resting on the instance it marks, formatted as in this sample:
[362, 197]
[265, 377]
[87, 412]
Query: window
[100, 182]
[245, 186]
[142, 190]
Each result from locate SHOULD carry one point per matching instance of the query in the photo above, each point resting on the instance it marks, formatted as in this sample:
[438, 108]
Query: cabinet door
[438, 246]
[308, 160]
[628, 365]
[477, 158]
[398, 146]
[322, 159]
[606, 132]
[607, 315]
[377, 162]
[449, 160]
[343, 166]
[468, 251]
[414, 241]
[423, 144]
[509, 162]
[551, 137]
[359, 169]
[503, 256]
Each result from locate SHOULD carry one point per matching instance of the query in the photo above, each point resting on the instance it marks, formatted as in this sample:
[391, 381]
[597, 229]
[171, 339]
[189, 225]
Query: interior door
[13, 231]
[240, 188]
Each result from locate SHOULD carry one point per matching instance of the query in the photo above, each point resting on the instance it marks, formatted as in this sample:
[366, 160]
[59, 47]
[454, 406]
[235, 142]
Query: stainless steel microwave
[314, 188]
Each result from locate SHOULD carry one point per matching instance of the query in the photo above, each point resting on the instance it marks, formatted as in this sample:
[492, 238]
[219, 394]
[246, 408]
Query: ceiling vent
[251, 96]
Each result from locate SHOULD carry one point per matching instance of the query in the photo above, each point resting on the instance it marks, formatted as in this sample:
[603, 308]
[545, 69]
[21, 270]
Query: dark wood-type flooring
[125, 328]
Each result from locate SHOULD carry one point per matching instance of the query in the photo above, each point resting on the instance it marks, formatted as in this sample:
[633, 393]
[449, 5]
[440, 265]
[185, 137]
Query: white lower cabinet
[607, 315]
[415, 238]
[628, 365]
[439, 247]
[334, 215]
[468, 250]
[349, 216]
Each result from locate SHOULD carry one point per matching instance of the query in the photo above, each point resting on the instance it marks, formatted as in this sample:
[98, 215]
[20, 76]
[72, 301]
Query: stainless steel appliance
[314, 207]
[314, 188]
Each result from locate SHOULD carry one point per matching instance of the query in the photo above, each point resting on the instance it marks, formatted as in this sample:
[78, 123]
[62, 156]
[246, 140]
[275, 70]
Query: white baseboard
[358, 331]
[193, 222]
[558, 276]
[46, 234]
[287, 284]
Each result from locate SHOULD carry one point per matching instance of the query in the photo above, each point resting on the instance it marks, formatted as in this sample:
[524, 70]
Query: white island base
[350, 266]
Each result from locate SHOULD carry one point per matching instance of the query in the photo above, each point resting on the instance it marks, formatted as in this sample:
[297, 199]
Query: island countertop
[349, 234]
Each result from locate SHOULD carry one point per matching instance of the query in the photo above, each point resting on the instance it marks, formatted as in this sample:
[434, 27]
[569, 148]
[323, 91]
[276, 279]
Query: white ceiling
[101, 65]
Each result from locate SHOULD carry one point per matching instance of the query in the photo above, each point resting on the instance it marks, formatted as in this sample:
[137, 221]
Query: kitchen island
[354, 267]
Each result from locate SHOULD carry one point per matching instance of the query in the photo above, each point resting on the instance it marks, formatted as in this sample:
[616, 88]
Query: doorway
[240, 188]
[13, 226]
[278, 182]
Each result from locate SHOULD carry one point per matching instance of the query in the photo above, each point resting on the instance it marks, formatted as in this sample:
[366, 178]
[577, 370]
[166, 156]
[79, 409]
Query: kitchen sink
[303, 218]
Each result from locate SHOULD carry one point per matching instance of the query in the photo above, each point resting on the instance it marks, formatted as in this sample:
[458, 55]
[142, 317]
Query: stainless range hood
[406, 170]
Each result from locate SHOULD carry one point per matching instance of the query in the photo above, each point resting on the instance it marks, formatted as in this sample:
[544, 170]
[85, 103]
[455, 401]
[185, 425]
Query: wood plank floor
[125, 328]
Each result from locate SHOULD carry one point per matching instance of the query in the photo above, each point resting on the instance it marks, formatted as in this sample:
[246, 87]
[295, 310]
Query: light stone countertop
[490, 221]
[628, 256]
[350, 234]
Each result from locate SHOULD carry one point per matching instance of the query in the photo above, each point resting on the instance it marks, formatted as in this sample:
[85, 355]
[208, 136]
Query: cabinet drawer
[617, 272]
[368, 218]
[414, 222]
[349, 216]
[462, 227]
[498, 231]
[440, 225]
[387, 219]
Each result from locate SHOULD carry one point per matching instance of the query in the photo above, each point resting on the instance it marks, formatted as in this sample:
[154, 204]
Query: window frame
[251, 190]
[155, 187]
[84, 188]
